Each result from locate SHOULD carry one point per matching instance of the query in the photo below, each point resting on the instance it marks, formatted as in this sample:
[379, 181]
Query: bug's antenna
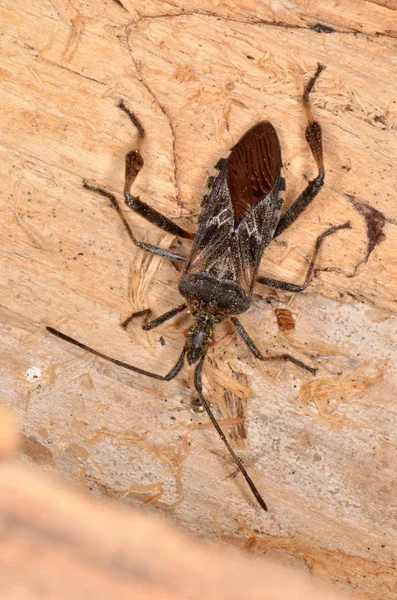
[170, 375]
[236, 459]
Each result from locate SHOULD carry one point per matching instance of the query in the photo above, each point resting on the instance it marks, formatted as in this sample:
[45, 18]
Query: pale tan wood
[57, 543]
[198, 74]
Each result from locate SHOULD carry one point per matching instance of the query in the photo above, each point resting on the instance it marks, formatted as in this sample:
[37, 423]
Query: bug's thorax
[212, 296]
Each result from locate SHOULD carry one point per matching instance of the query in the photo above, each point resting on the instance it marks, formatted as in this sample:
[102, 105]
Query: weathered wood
[57, 543]
[198, 74]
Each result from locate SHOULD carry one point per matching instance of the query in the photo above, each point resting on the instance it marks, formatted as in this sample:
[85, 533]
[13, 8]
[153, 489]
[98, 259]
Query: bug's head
[199, 336]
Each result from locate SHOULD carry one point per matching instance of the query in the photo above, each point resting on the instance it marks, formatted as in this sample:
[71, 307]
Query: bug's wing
[253, 168]
[215, 226]
[254, 180]
[240, 213]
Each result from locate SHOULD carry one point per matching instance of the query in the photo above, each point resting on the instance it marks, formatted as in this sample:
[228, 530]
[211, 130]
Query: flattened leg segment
[133, 164]
[314, 139]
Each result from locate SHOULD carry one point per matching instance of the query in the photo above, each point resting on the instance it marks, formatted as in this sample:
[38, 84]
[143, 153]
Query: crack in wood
[263, 22]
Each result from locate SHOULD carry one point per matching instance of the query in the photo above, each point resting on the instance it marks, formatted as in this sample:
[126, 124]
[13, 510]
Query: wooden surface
[59, 544]
[198, 74]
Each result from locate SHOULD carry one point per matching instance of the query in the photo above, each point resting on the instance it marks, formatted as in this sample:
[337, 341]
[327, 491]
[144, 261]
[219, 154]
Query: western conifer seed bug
[241, 213]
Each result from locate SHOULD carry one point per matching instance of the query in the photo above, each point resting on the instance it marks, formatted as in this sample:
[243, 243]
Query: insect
[241, 212]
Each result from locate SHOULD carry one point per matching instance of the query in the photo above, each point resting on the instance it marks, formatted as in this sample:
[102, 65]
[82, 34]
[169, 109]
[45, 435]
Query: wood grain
[57, 543]
[198, 74]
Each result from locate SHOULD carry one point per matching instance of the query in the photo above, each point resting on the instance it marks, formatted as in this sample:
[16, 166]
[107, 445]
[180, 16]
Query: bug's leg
[140, 313]
[135, 121]
[133, 164]
[148, 247]
[292, 287]
[158, 320]
[255, 351]
[143, 209]
[165, 317]
[236, 459]
[170, 375]
[314, 139]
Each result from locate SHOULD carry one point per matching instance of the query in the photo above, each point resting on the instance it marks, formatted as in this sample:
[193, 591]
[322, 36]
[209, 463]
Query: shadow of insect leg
[158, 320]
[314, 139]
[256, 352]
[292, 287]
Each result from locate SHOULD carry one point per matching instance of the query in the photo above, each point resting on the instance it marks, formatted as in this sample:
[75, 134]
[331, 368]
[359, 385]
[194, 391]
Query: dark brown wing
[253, 168]
[215, 225]
[240, 214]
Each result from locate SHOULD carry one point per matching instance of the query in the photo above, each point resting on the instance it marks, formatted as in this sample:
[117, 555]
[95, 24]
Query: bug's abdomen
[215, 296]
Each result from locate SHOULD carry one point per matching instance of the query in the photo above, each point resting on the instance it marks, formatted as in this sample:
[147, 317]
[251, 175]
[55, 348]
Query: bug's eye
[187, 333]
